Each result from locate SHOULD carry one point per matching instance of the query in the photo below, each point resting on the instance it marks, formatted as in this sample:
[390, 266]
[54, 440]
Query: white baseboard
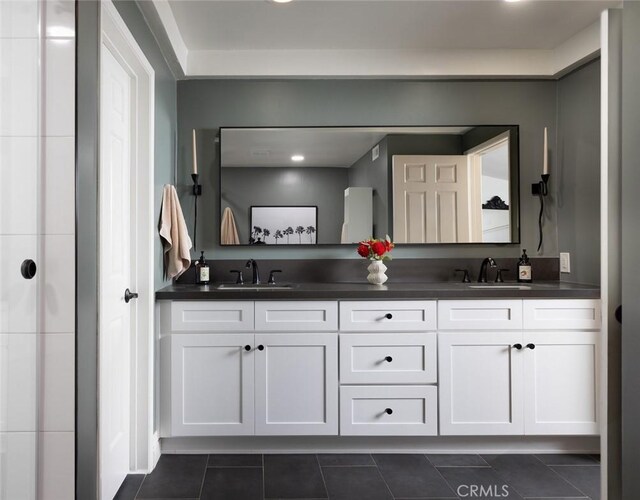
[344, 444]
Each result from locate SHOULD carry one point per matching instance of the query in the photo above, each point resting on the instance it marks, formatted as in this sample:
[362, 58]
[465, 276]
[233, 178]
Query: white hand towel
[174, 234]
[228, 230]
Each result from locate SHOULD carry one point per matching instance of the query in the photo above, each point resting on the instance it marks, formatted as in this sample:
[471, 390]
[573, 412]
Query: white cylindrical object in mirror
[195, 156]
[545, 152]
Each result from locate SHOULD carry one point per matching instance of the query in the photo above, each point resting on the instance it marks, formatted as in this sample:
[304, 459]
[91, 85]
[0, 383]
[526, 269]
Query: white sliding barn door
[431, 199]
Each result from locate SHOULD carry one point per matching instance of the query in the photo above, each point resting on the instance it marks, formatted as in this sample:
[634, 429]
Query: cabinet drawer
[398, 358]
[210, 316]
[582, 314]
[400, 316]
[304, 316]
[364, 411]
[480, 315]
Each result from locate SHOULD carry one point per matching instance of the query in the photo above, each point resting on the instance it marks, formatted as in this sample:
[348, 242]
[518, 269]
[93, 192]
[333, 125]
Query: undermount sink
[489, 286]
[265, 286]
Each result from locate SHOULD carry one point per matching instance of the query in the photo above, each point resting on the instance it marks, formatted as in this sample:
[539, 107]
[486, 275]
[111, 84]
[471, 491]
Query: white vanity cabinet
[379, 367]
[520, 381]
[218, 383]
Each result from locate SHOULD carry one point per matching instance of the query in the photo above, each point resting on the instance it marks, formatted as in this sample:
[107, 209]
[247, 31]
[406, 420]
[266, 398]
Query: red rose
[379, 248]
[388, 245]
[363, 250]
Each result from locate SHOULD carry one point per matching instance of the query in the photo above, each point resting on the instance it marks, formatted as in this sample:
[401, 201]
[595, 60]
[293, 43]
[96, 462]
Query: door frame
[116, 37]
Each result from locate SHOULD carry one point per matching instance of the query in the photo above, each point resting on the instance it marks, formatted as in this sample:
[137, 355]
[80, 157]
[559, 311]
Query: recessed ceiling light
[297, 158]
[281, 1]
[511, 1]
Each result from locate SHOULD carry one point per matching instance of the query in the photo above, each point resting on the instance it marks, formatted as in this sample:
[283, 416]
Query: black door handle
[260, 348]
[129, 295]
[531, 346]
[517, 346]
[618, 314]
[247, 348]
[28, 269]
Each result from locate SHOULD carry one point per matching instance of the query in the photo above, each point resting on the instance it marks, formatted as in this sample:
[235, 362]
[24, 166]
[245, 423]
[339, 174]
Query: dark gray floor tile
[232, 483]
[355, 483]
[175, 476]
[566, 459]
[444, 460]
[412, 476]
[585, 478]
[478, 482]
[221, 460]
[530, 477]
[129, 487]
[328, 459]
[293, 476]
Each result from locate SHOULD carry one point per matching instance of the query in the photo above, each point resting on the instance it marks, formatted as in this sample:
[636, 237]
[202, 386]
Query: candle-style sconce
[541, 189]
[197, 191]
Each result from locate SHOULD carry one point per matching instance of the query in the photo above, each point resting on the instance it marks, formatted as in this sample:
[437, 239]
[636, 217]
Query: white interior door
[115, 274]
[431, 199]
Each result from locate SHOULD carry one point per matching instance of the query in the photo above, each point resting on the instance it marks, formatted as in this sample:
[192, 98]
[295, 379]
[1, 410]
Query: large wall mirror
[340, 185]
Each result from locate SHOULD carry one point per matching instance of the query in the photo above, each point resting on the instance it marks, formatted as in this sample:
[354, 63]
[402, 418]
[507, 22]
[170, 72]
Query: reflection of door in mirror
[453, 198]
[490, 169]
[431, 199]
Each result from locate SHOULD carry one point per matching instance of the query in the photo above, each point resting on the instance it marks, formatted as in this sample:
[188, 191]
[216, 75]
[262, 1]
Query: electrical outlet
[565, 262]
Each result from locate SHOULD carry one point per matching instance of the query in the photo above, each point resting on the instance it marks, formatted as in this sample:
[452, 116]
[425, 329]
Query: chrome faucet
[482, 278]
[254, 267]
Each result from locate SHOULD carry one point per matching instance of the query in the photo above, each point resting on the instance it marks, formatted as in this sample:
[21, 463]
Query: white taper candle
[545, 152]
[195, 156]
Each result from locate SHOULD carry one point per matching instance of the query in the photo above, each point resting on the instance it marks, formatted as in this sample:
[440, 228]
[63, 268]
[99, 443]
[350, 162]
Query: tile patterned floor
[367, 477]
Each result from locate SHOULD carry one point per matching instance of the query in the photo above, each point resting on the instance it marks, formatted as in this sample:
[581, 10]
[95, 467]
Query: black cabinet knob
[388, 315]
[531, 346]
[388, 411]
[517, 346]
[260, 347]
[28, 269]
[247, 347]
[388, 359]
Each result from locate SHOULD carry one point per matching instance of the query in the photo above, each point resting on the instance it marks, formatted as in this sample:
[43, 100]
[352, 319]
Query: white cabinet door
[212, 391]
[297, 384]
[561, 395]
[480, 383]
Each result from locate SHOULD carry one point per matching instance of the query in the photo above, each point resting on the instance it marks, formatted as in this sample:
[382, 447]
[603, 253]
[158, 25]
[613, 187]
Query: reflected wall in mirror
[420, 185]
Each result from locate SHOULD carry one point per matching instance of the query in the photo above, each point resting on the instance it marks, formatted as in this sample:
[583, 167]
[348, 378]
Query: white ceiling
[321, 147]
[391, 24]
[377, 38]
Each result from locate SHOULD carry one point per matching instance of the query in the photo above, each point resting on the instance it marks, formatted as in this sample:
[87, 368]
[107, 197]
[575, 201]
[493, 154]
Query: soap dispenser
[202, 271]
[524, 268]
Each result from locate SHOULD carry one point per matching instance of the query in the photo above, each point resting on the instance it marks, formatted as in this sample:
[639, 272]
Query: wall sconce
[541, 189]
[197, 191]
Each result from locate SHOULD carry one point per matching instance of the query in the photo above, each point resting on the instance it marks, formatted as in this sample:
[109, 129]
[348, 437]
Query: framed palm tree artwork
[283, 225]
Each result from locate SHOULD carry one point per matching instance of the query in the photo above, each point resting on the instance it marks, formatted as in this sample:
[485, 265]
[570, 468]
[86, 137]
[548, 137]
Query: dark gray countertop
[389, 291]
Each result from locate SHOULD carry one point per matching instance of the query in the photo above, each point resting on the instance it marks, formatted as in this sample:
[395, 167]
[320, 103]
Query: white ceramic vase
[376, 272]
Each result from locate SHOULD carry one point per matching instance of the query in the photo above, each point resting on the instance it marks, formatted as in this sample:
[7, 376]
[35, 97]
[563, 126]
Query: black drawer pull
[388, 315]
[28, 269]
[517, 346]
[531, 346]
[388, 359]
[388, 411]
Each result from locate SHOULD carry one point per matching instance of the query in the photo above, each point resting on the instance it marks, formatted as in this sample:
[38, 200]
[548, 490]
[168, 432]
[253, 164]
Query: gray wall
[210, 104]
[373, 174]
[577, 172]
[166, 115]
[320, 186]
